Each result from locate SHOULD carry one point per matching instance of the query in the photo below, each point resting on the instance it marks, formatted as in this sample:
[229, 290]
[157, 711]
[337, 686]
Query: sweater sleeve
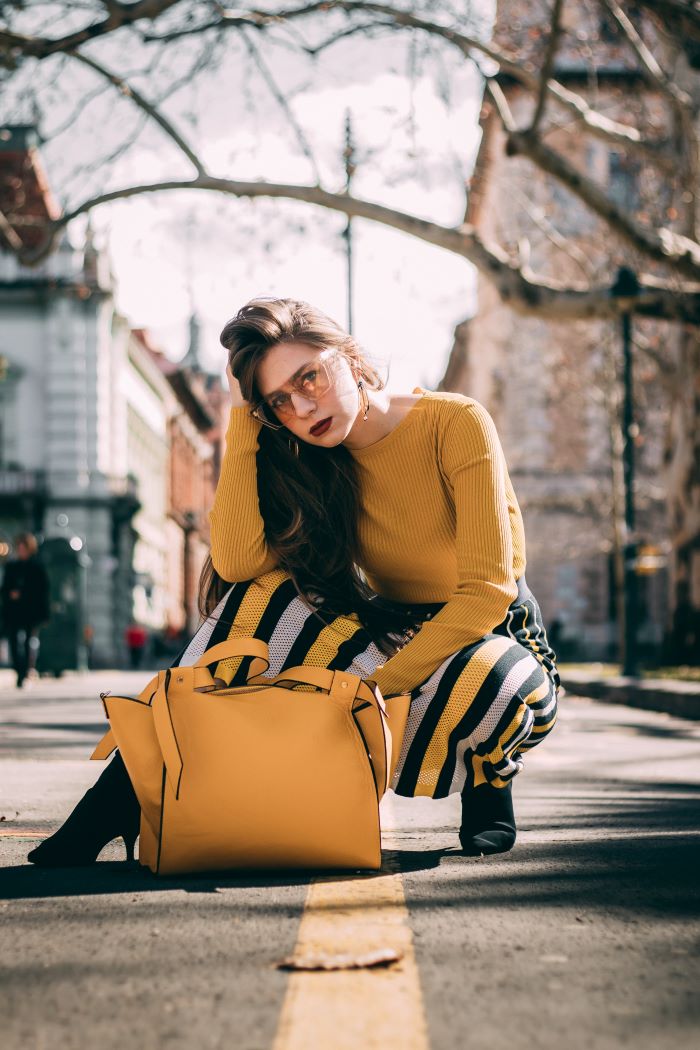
[474, 467]
[239, 550]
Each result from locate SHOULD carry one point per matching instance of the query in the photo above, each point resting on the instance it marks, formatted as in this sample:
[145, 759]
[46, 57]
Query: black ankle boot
[107, 810]
[488, 821]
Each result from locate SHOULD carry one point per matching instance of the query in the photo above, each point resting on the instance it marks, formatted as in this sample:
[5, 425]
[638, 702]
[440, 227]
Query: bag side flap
[105, 747]
[165, 730]
[369, 718]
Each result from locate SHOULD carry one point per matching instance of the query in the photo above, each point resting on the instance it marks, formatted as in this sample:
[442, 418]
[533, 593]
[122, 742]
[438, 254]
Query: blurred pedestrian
[25, 605]
[136, 637]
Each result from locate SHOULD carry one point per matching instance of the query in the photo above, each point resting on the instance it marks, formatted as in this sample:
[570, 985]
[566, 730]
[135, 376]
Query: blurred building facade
[555, 389]
[194, 432]
[144, 405]
[103, 442]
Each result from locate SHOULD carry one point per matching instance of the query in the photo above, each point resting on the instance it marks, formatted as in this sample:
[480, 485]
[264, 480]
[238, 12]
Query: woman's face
[288, 363]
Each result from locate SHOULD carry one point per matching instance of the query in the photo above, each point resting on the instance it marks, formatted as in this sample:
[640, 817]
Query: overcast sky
[416, 140]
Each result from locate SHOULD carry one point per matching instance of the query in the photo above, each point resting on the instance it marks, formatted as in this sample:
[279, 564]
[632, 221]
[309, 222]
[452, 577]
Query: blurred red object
[136, 636]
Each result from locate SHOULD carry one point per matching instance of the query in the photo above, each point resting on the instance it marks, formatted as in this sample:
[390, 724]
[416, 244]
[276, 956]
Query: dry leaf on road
[344, 961]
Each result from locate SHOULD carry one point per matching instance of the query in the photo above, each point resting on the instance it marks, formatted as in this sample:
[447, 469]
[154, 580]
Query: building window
[623, 181]
[8, 429]
[569, 215]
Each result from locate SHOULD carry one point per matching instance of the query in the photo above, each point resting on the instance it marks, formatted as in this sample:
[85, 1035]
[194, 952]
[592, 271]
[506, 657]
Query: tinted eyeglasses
[312, 381]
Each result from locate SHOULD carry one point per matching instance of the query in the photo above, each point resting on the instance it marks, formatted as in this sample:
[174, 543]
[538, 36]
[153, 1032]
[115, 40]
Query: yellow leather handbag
[283, 772]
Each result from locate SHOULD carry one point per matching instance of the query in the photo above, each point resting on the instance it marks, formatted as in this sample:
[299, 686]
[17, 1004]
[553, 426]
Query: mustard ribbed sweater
[439, 522]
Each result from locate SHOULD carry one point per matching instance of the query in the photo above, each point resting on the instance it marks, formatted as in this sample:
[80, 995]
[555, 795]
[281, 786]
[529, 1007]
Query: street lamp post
[627, 287]
[349, 156]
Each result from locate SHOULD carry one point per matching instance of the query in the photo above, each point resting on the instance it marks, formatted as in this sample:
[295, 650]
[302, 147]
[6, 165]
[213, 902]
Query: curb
[681, 699]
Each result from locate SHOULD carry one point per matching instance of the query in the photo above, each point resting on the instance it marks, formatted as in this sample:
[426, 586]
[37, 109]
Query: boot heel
[129, 841]
[108, 810]
[488, 820]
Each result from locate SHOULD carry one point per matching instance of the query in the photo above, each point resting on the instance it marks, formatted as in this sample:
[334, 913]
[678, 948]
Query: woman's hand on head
[237, 399]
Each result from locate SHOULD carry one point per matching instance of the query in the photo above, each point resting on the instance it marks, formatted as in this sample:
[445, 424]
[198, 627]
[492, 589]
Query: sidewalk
[681, 699]
[80, 681]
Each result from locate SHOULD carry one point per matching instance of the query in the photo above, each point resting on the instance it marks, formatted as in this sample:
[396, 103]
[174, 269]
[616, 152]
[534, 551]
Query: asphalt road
[586, 935]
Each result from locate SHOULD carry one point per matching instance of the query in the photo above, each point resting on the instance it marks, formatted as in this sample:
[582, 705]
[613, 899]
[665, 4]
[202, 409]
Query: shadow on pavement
[632, 849]
[616, 806]
[29, 882]
[681, 731]
[643, 876]
[632, 879]
[109, 877]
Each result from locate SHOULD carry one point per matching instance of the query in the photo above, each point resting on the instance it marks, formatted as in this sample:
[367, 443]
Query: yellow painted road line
[370, 1009]
[25, 834]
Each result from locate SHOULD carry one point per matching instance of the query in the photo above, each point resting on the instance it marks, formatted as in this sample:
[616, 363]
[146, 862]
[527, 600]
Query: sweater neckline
[403, 424]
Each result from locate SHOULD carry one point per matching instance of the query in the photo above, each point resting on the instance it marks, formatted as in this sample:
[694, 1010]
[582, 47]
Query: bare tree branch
[120, 15]
[604, 128]
[689, 10]
[664, 246]
[595, 123]
[10, 234]
[680, 100]
[494, 90]
[663, 82]
[130, 92]
[78, 109]
[548, 65]
[545, 298]
[367, 28]
[282, 101]
[660, 244]
[123, 146]
[667, 371]
[566, 245]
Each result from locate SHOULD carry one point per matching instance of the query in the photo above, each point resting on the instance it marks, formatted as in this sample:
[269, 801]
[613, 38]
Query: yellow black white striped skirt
[471, 721]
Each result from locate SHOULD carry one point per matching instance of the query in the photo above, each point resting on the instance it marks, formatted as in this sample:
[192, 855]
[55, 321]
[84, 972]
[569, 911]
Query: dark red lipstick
[320, 428]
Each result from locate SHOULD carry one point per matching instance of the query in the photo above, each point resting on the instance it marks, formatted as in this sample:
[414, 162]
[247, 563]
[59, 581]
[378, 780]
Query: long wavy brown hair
[309, 501]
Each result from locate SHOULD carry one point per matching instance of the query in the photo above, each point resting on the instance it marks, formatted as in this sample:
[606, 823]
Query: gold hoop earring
[365, 398]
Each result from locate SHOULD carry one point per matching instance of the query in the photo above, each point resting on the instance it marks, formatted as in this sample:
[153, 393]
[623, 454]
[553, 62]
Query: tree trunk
[683, 489]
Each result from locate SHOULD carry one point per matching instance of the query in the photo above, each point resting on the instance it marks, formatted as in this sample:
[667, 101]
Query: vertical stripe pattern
[470, 722]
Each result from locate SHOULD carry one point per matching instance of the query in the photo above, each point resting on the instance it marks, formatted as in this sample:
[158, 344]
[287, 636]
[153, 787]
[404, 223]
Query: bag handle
[340, 685]
[367, 707]
[232, 647]
[162, 719]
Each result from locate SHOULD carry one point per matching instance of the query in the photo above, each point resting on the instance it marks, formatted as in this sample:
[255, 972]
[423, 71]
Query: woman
[371, 533]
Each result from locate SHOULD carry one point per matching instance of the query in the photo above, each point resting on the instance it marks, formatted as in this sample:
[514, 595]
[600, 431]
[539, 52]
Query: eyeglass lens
[312, 383]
